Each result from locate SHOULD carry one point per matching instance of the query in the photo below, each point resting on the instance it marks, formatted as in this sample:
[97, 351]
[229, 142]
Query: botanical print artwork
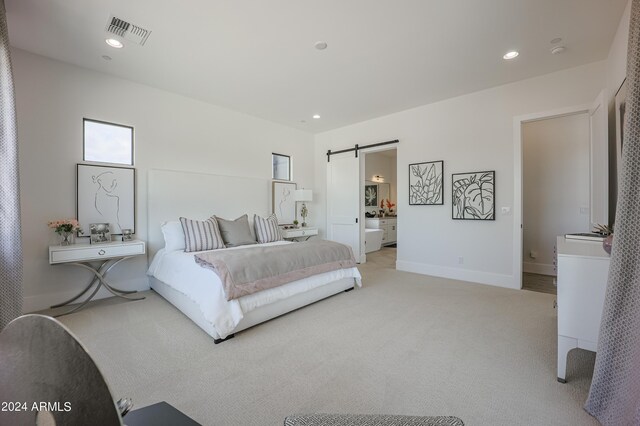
[371, 195]
[425, 183]
[473, 195]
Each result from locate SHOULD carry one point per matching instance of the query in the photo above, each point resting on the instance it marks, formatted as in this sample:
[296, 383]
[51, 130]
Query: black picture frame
[371, 195]
[116, 186]
[473, 195]
[426, 183]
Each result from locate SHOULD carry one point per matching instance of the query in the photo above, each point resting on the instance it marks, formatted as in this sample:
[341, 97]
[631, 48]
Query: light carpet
[403, 344]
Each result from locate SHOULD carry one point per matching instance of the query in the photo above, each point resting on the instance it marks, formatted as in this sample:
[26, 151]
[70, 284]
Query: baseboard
[539, 268]
[39, 302]
[481, 277]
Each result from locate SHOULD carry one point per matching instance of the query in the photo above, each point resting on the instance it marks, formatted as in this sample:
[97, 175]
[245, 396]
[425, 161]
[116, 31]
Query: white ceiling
[258, 56]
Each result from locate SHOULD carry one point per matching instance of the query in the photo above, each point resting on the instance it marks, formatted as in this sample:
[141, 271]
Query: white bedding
[180, 271]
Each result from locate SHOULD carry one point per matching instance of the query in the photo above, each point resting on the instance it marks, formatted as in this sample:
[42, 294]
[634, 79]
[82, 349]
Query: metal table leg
[99, 278]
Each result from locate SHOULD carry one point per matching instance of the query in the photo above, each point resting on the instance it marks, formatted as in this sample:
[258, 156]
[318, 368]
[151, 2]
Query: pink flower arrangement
[64, 225]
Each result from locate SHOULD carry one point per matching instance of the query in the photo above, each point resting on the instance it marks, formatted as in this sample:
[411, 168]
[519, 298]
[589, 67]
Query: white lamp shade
[304, 195]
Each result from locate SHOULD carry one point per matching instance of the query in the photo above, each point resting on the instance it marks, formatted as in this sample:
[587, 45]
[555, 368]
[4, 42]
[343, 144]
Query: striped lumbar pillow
[266, 229]
[200, 235]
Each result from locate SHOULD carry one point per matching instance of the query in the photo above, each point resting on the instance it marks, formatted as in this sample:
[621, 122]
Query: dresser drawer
[296, 233]
[86, 252]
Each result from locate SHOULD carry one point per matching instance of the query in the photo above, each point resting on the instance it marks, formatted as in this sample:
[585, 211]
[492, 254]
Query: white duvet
[180, 271]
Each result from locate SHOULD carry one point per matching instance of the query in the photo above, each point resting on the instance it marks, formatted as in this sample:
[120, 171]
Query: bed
[197, 291]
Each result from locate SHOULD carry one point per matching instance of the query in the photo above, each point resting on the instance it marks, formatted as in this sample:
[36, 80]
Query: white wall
[470, 133]
[171, 132]
[555, 184]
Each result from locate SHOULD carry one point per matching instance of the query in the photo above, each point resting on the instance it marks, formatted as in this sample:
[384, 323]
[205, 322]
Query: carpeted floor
[403, 344]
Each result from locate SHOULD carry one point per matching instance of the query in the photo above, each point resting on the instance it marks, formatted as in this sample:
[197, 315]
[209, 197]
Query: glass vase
[67, 238]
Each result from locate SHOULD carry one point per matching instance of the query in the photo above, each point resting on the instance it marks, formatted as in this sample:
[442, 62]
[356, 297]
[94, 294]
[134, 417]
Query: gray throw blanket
[254, 269]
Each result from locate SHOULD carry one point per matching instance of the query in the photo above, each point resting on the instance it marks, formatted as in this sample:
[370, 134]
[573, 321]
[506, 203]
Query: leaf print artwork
[473, 195]
[371, 195]
[425, 183]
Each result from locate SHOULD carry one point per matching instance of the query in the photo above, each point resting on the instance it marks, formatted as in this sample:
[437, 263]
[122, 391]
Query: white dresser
[388, 224]
[583, 269]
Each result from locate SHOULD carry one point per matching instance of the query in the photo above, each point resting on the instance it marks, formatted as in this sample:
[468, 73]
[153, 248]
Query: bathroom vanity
[389, 226]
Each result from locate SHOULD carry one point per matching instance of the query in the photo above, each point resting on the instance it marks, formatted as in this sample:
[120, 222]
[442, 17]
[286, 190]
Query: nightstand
[296, 234]
[106, 255]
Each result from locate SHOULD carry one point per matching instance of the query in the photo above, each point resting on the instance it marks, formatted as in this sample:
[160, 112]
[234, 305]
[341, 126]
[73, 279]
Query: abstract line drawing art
[106, 195]
[284, 203]
[371, 195]
[473, 195]
[426, 183]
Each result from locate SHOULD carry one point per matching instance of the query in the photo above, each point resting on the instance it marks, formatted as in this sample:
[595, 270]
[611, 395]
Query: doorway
[555, 188]
[379, 207]
[598, 207]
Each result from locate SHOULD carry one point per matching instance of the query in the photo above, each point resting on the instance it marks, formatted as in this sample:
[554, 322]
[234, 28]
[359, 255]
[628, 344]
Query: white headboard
[172, 194]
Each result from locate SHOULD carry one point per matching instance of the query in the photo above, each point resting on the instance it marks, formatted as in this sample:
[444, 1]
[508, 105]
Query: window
[281, 166]
[107, 142]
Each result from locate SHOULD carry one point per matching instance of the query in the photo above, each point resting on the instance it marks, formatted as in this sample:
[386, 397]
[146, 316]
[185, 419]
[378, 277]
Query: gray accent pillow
[235, 232]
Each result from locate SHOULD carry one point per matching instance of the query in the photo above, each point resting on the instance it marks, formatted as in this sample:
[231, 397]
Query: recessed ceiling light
[556, 40]
[106, 57]
[114, 43]
[303, 121]
[320, 45]
[316, 116]
[510, 55]
[558, 50]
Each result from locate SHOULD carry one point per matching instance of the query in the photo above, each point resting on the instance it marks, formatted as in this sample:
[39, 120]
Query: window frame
[290, 177]
[84, 141]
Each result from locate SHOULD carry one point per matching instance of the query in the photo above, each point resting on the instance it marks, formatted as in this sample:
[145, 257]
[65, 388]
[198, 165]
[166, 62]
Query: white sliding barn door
[599, 158]
[343, 201]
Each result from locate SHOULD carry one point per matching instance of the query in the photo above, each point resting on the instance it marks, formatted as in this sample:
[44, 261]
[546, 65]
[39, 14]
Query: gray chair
[369, 420]
[49, 373]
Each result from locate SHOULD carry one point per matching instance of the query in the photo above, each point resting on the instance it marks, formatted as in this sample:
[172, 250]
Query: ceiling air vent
[127, 30]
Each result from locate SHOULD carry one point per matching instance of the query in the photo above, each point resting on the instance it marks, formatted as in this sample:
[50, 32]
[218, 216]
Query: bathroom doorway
[380, 207]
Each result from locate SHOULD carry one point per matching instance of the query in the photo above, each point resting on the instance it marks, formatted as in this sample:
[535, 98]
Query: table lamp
[304, 195]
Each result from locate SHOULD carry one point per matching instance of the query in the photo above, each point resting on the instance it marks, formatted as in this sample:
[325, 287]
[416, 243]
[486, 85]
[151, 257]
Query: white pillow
[173, 236]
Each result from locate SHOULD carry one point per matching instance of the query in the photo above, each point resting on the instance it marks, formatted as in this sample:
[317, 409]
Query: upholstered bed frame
[172, 194]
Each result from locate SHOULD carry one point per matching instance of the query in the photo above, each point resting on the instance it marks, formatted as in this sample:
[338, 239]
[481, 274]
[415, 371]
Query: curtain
[10, 235]
[614, 397]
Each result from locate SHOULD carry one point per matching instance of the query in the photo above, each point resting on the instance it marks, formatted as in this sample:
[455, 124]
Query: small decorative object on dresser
[65, 228]
[100, 233]
[127, 235]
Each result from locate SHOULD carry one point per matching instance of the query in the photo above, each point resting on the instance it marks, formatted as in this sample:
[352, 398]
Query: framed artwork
[99, 233]
[281, 166]
[371, 195]
[107, 142]
[473, 195]
[426, 183]
[284, 202]
[621, 109]
[106, 195]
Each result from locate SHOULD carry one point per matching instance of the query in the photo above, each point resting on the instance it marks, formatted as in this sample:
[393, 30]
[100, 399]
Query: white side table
[298, 233]
[107, 255]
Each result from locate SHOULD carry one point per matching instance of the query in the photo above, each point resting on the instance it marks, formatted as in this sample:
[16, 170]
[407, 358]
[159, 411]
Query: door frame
[518, 188]
[363, 156]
